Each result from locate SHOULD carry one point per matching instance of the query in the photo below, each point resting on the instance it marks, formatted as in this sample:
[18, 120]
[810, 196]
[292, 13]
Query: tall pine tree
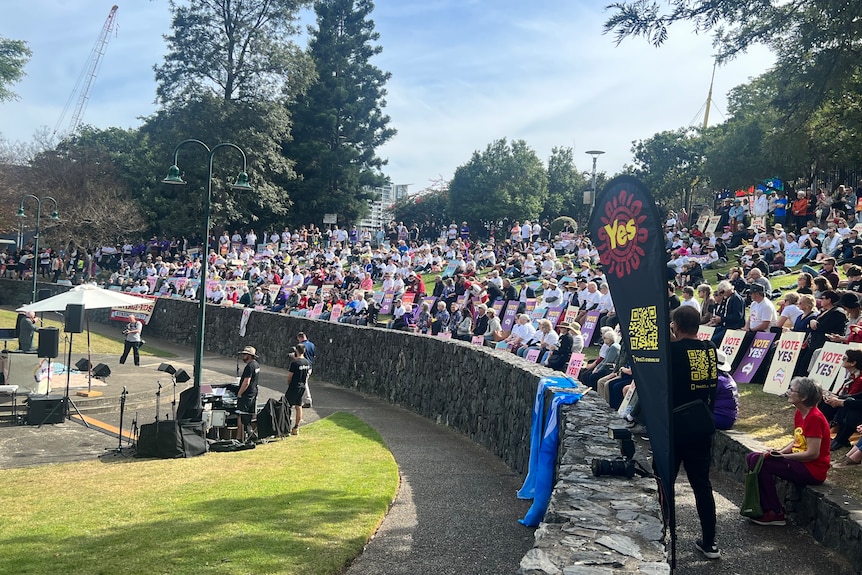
[339, 121]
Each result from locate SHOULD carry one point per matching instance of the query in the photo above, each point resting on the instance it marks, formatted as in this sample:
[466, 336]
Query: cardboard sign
[509, 316]
[386, 305]
[497, 306]
[701, 222]
[554, 315]
[533, 355]
[826, 367]
[590, 324]
[478, 340]
[705, 332]
[408, 298]
[316, 310]
[731, 342]
[530, 305]
[571, 313]
[712, 226]
[758, 222]
[576, 362]
[451, 267]
[787, 352]
[445, 335]
[794, 256]
[142, 312]
[336, 312]
[754, 356]
[501, 345]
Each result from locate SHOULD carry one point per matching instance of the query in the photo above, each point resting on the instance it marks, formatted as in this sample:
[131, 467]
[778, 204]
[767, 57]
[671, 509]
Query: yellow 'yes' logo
[620, 233]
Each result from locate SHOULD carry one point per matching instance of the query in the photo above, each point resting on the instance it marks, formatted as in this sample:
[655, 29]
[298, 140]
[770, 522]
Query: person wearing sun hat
[559, 357]
[246, 397]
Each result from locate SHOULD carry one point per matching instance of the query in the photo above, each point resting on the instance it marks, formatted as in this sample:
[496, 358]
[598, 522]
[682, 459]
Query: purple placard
[531, 305]
[754, 356]
[509, 316]
[497, 306]
[554, 314]
[386, 306]
[590, 322]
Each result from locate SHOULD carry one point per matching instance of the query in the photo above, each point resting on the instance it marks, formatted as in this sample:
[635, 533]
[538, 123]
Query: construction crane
[88, 75]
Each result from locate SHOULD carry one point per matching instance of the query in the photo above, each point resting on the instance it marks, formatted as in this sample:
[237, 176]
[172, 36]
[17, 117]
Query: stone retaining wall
[488, 395]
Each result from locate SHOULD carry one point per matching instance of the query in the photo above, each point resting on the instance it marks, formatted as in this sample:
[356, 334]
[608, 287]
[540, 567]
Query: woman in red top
[803, 461]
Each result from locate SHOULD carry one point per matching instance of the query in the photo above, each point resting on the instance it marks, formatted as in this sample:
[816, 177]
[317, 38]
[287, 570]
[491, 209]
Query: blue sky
[464, 73]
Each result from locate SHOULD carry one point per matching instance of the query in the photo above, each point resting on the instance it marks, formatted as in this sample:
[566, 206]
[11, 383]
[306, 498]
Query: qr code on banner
[643, 328]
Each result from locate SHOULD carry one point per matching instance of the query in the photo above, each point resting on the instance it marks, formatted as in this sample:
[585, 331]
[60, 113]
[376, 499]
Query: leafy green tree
[429, 206]
[504, 181]
[754, 144]
[238, 51]
[339, 122]
[816, 43]
[565, 187]
[259, 129]
[669, 164]
[14, 55]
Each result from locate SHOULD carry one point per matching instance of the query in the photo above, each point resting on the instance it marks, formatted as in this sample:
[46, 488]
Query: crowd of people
[361, 275]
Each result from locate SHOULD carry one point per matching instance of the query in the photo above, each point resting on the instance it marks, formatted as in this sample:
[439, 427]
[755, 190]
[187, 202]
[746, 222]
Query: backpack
[274, 419]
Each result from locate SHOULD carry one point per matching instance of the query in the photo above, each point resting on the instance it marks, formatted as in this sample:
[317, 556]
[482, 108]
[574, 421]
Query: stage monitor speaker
[49, 342]
[45, 409]
[43, 293]
[190, 407]
[167, 368]
[101, 370]
[74, 318]
[83, 364]
[182, 376]
[172, 439]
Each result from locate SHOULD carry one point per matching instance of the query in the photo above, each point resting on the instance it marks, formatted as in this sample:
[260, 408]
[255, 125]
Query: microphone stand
[174, 402]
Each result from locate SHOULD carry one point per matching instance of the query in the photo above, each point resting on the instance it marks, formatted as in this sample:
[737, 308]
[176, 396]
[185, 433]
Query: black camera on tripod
[624, 466]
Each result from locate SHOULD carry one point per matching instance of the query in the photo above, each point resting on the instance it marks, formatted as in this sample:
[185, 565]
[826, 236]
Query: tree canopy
[504, 181]
[339, 122]
[14, 55]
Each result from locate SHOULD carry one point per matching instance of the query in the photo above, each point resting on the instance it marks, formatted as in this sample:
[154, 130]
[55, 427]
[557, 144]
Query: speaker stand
[67, 401]
[90, 392]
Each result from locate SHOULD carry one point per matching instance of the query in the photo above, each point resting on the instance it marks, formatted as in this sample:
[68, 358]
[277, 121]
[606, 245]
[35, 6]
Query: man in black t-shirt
[297, 378]
[246, 397]
[694, 376]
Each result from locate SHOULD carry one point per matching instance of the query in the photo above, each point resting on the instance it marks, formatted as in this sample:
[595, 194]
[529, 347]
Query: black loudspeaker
[101, 370]
[49, 342]
[83, 364]
[182, 376]
[74, 318]
[190, 405]
[41, 406]
[171, 439]
[167, 368]
[43, 293]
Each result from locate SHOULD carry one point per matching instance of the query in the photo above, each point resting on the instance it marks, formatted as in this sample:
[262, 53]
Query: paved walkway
[456, 511]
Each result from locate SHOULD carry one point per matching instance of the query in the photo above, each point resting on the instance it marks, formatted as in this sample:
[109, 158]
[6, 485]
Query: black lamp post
[174, 177]
[54, 216]
[595, 154]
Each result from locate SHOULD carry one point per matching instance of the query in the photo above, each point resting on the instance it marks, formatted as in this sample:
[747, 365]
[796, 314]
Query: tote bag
[751, 500]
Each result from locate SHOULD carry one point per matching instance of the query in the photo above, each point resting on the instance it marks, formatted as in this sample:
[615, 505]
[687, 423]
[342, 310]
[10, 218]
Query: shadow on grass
[282, 533]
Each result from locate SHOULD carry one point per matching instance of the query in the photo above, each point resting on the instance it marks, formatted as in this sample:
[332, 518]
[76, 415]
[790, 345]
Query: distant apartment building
[379, 209]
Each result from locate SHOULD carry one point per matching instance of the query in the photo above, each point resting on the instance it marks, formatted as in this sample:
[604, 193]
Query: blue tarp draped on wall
[546, 462]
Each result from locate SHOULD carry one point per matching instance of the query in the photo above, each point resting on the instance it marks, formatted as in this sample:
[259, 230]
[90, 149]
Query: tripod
[67, 401]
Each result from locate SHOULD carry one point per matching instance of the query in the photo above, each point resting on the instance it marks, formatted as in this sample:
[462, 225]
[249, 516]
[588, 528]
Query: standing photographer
[694, 377]
[133, 340]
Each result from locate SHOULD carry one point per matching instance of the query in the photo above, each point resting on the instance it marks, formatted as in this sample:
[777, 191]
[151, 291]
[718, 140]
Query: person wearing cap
[761, 313]
[562, 351]
[738, 213]
[297, 382]
[246, 396]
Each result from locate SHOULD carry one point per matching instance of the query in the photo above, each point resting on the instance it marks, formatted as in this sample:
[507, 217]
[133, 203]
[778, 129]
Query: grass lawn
[98, 343]
[304, 505]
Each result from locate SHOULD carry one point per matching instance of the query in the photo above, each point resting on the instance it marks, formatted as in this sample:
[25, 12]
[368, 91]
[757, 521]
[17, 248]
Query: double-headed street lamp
[174, 177]
[54, 216]
[595, 154]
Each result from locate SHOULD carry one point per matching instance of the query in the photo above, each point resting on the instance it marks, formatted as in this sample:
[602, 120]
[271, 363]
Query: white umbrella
[91, 297]
[88, 295]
